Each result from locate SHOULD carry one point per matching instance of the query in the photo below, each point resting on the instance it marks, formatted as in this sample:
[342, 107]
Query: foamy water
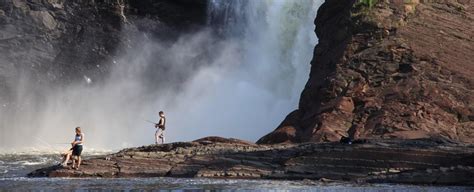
[15, 167]
[181, 184]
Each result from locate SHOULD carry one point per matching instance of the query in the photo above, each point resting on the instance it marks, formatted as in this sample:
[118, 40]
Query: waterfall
[239, 77]
[274, 40]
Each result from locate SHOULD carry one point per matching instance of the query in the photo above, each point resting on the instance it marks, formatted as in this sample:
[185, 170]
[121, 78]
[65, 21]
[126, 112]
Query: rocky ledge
[421, 161]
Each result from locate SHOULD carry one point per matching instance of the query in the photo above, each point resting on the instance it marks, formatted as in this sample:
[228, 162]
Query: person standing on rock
[77, 148]
[160, 132]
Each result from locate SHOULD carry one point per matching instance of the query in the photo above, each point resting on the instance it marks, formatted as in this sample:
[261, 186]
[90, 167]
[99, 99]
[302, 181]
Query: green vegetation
[368, 3]
[363, 7]
[362, 15]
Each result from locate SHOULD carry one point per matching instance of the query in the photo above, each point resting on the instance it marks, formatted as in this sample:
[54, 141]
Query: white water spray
[240, 83]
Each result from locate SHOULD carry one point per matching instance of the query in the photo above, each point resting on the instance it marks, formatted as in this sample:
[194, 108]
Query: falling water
[238, 77]
[275, 40]
[259, 74]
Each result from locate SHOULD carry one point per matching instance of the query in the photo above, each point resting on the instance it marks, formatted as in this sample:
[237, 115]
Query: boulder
[44, 18]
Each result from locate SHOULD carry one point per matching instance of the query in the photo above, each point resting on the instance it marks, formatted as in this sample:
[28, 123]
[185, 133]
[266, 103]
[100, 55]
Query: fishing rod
[151, 122]
[42, 141]
[61, 143]
[48, 144]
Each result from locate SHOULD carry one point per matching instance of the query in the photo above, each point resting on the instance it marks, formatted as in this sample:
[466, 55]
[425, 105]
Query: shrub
[368, 3]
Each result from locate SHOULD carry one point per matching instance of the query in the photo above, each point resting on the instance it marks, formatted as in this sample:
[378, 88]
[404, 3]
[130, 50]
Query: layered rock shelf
[398, 161]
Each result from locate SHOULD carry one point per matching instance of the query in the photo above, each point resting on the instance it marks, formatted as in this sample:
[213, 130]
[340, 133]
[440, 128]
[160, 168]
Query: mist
[238, 77]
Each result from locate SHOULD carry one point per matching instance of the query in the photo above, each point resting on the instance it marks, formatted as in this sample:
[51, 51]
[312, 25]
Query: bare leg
[78, 161]
[160, 136]
[66, 158]
[157, 136]
[73, 161]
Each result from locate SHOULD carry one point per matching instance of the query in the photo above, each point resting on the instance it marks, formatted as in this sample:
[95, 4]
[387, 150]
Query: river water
[15, 167]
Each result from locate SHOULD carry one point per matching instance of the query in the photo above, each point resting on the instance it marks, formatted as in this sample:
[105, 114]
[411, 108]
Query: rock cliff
[396, 69]
[56, 42]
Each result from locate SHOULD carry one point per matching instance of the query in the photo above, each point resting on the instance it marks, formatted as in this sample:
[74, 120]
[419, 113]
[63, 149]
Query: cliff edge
[394, 69]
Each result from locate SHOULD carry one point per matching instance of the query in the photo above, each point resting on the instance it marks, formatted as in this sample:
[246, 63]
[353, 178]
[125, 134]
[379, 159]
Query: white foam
[51, 151]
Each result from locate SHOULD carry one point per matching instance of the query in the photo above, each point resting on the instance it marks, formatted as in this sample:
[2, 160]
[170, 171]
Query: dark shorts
[77, 150]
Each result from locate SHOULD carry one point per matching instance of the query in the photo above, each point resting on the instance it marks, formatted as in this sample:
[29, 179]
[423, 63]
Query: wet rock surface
[399, 161]
[400, 69]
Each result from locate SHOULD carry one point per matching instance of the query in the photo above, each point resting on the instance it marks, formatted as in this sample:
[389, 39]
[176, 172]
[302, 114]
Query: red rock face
[398, 70]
